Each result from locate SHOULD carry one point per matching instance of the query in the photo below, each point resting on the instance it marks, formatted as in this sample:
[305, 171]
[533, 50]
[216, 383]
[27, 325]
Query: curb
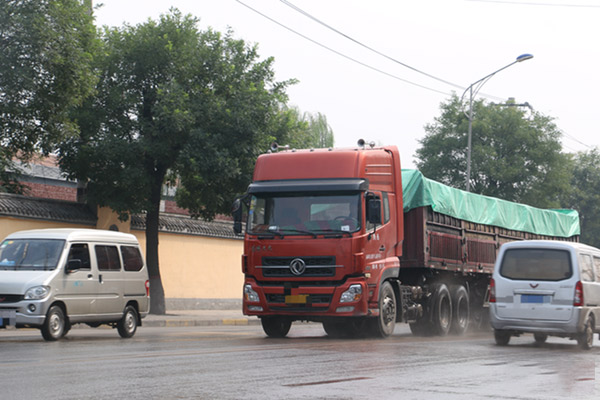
[195, 322]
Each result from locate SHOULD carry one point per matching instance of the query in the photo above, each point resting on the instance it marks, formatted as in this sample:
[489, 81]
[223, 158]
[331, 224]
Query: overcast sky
[380, 97]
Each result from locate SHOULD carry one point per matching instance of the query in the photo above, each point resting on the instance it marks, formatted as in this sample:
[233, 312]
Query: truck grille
[311, 299]
[315, 266]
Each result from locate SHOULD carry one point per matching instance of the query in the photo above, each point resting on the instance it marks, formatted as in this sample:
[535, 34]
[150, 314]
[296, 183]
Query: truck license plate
[296, 299]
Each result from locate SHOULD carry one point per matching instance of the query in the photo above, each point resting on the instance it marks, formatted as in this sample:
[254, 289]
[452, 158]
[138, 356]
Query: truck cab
[323, 239]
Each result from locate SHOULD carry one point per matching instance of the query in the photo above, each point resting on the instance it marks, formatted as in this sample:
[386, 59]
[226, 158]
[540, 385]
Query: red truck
[346, 238]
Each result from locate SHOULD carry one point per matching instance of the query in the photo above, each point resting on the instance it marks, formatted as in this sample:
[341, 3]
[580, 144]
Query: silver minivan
[53, 278]
[546, 288]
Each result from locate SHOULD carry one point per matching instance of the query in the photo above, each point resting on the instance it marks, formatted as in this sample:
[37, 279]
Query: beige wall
[195, 267]
[198, 266]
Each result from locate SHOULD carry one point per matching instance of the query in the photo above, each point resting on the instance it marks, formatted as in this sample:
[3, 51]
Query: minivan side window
[80, 251]
[132, 259]
[587, 272]
[536, 264]
[597, 268]
[107, 258]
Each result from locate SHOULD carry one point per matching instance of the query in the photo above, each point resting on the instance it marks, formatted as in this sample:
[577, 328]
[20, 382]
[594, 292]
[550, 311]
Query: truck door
[382, 240]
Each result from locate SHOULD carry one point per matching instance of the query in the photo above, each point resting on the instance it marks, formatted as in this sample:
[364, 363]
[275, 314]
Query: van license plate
[532, 298]
[296, 299]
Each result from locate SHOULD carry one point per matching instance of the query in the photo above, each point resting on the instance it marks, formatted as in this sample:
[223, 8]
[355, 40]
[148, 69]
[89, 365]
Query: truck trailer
[347, 238]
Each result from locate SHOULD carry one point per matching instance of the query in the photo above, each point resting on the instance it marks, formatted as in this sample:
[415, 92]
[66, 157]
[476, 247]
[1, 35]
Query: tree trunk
[157, 293]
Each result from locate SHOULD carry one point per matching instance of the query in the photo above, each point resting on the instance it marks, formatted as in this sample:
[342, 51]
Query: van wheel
[276, 327]
[460, 310]
[502, 337]
[441, 310]
[129, 323]
[55, 324]
[540, 338]
[586, 338]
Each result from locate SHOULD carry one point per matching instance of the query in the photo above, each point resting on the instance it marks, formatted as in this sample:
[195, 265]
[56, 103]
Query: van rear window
[536, 264]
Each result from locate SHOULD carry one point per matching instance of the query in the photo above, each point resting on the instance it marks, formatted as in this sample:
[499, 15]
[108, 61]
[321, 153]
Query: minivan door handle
[90, 276]
[100, 278]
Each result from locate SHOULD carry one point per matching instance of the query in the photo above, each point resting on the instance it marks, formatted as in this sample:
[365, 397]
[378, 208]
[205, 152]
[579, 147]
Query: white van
[546, 288]
[53, 278]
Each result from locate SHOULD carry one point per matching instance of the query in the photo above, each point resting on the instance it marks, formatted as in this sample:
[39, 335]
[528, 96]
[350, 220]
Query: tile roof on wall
[183, 224]
[13, 205]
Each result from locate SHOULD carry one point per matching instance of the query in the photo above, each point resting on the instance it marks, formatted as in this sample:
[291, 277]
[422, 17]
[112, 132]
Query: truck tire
[383, 325]
[441, 310]
[460, 310]
[276, 327]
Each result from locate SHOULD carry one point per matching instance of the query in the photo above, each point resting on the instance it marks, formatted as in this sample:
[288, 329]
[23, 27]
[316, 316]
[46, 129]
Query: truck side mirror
[236, 211]
[374, 210]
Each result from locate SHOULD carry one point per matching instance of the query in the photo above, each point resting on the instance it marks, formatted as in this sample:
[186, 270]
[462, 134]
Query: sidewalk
[174, 318]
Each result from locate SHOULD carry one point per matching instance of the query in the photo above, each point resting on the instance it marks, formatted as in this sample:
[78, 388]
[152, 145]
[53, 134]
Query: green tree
[173, 103]
[301, 130]
[46, 50]
[513, 157]
[584, 194]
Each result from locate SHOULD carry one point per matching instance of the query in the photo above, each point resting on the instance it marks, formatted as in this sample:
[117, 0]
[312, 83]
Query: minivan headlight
[37, 293]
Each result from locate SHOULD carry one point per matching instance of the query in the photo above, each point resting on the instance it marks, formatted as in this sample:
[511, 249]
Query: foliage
[46, 50]
[513, 157]
[302, 130]
[176, 103]
[584, 195]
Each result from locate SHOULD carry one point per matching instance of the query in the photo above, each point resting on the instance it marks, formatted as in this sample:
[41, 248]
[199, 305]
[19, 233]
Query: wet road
[234, 362]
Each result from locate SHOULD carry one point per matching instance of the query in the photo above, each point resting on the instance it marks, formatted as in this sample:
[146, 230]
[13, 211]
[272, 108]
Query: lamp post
[473, 89]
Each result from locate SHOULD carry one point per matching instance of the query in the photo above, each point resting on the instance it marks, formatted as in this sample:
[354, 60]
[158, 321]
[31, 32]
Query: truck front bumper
[306, 301]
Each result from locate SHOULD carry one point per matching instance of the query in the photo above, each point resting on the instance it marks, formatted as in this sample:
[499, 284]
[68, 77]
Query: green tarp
[419, 191]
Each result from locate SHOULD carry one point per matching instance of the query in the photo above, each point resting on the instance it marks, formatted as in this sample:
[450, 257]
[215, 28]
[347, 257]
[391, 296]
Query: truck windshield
[30, 254]
[304, 214]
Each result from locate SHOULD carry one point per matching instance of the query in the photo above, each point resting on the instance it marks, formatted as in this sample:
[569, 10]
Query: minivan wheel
[55, 324]
[540, 338]
[586, 338]
[128, 324]
[502, 337]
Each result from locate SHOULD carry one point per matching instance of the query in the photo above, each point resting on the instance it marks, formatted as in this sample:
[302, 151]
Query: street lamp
[473, 89]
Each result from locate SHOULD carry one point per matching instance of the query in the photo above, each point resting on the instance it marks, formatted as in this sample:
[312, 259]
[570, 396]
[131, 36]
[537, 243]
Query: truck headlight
[250, 294]
[37, 293]
[354, 293]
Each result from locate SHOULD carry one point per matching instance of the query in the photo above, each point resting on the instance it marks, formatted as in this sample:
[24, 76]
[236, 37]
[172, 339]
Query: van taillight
[492, 291]
[578, 300]
[147, 288]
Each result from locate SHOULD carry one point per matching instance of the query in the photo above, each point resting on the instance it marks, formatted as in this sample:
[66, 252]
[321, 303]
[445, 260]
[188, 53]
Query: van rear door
[535, 283]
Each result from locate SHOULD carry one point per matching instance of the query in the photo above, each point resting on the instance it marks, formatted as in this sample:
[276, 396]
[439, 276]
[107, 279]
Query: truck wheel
[383, 325]
[276, 327]
[460, 310]
[586, 338]
[55, 324]
[441, 310]
[129, 323]
[421, 327]
[334, 329]
[502, 338]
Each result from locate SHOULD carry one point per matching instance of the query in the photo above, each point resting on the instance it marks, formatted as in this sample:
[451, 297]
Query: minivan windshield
[30, 254]
[304, 214]
[536, 264]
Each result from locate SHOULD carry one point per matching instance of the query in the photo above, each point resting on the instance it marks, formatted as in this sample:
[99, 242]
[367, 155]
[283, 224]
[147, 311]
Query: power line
[301, 11]
[341, 54]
